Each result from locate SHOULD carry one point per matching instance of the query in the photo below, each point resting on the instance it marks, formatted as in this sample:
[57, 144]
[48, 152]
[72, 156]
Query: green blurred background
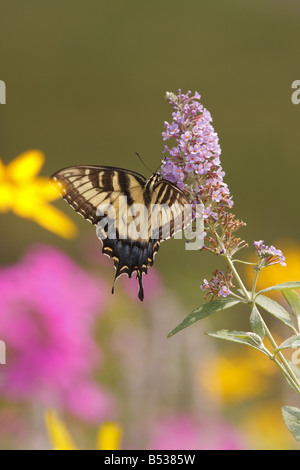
[86, 83]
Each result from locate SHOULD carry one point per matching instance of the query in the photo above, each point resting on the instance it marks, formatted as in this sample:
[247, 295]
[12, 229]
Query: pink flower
[185, 433]
[48, 308]
[152, 285]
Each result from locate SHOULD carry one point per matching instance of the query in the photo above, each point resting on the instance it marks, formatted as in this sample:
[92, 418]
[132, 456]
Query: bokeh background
[86, 84]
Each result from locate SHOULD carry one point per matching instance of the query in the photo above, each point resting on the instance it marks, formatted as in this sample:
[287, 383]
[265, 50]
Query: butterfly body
[132, 214]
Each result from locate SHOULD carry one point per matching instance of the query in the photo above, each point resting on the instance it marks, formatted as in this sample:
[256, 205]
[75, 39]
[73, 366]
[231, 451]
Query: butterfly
[109, 197]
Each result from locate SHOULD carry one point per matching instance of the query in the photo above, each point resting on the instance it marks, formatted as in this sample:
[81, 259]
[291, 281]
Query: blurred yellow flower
[236, 377]
[58, 433]
[28, 195]
[109, 435]
[264, 427]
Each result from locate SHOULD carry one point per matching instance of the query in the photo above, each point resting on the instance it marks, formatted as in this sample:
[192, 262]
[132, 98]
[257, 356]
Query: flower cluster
[194, 163]
[219, 285]
[49, 307]
[194, 166]
[268, 255]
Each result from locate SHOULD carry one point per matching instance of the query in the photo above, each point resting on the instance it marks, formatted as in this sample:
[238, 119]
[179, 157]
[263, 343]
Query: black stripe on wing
[173, 203]
[85, 187]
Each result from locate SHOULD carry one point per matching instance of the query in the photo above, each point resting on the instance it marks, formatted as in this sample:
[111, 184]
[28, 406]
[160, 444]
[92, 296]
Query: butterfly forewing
[85, 188]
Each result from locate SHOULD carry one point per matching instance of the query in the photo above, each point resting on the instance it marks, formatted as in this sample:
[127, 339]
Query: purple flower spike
[194, 164]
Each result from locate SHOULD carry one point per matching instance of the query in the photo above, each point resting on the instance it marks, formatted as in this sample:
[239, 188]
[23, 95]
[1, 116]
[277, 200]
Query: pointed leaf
[276, 310]
[256, 323]
[285, 285]
[296, 371]
[242, 337]
[204, 311]
[291, 416]
[293, 300]
[292, 342]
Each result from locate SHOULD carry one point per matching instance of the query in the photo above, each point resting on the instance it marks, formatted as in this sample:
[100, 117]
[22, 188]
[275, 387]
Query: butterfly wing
[164, 211]
[86, 187]
[91, 190]
[170, 211]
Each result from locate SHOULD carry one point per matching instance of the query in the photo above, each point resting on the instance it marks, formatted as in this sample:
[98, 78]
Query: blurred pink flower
[151, 281]
[185, 433]
[153, 284]
[48, 307]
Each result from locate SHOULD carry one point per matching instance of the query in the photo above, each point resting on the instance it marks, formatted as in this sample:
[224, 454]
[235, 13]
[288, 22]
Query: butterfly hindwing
[90, 190]
[171, 205]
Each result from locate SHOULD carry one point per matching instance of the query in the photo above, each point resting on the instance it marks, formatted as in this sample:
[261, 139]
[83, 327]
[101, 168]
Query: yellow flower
[58, 433]
[108, 438]
[264, 427]
[237, 377]
[28, 195]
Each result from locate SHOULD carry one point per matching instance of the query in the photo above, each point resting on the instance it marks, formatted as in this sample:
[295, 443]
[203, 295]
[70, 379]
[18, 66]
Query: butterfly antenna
[142, 161]
[158, 168]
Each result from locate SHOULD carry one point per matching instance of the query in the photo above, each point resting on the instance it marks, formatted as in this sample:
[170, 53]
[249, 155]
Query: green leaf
[291, 416]
[242, 337]
[293, 300]
[204, 311]
[256, 323]
[285, 285]
[296, 371]
[292, 342]
[276, 310]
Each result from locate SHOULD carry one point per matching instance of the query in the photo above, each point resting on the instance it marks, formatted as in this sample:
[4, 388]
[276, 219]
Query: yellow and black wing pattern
[133, 215]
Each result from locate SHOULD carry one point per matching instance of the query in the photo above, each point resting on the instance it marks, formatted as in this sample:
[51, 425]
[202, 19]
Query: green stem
[283, 365]
[237, 297]
[242, 262]
[237, 277]
[286, 369]
[255, 282]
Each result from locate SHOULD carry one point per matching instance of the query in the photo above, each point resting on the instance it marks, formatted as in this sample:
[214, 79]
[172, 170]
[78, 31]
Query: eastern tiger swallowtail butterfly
[90, 190]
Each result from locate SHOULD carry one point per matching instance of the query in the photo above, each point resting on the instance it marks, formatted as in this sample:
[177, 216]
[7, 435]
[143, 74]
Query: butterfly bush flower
[219, 285]
[268, 255]
[194, 166]
[49, 307]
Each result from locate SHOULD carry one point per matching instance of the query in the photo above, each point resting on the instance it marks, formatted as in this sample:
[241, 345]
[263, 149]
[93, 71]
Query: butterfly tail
[141, 289]
[139, 277]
